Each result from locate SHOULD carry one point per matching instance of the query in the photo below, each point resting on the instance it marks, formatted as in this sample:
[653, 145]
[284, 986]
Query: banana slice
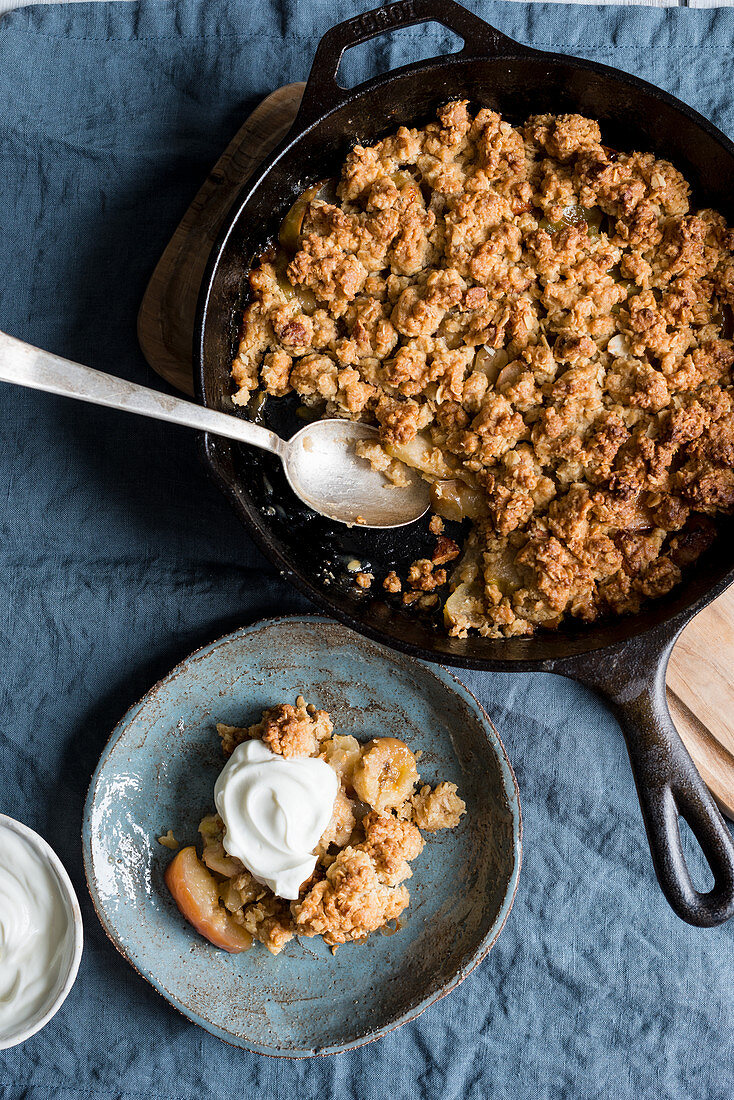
[386, 773]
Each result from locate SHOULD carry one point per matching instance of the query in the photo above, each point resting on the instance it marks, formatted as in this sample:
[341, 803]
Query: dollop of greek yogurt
[274, 811]
[36, 935]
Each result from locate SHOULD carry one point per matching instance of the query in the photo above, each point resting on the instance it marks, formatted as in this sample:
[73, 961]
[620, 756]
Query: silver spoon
[319, 460]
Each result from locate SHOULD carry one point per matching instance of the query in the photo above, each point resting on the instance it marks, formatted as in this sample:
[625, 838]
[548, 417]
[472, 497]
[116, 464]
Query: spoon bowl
[326, 473]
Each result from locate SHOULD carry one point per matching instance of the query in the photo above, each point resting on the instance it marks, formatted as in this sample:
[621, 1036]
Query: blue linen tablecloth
[117, 557]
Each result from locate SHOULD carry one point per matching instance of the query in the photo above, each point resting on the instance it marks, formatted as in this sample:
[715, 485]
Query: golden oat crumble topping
[538, 323]
[286, 729]
[438, 808]
[363, 855]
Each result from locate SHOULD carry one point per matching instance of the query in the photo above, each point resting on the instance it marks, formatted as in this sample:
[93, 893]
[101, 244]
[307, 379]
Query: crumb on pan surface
[539, 324]
[364, 854]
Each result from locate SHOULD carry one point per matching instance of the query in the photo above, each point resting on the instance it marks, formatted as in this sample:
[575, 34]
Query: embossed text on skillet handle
[323, 93]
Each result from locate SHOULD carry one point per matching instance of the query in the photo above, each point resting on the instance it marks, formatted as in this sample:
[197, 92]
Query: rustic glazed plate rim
[449, 682]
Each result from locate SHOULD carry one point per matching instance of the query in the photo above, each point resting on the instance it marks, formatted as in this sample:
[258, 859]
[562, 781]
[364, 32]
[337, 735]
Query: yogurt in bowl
[41, 934]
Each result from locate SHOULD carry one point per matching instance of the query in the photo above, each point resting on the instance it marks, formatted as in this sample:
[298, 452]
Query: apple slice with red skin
[196, 894]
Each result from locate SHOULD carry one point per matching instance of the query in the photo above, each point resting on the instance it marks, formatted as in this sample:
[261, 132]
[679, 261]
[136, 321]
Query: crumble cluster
[541, 325]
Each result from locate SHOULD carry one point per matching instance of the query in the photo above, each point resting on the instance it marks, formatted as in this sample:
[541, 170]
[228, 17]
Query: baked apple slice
[196, 893]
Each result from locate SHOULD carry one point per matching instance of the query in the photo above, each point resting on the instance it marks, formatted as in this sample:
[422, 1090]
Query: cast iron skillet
[625, 659]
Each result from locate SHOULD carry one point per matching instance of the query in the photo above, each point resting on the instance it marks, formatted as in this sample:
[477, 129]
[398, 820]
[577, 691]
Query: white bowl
[60, 993]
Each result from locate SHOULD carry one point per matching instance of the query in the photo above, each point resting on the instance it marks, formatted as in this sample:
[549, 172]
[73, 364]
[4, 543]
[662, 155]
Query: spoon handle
[25, 365]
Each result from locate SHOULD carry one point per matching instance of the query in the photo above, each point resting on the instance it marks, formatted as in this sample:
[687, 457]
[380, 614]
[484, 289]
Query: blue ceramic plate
[158, 771]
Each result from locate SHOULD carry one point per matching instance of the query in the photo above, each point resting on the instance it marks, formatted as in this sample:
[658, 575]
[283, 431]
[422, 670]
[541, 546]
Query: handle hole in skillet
[701, 874]
[393, 49]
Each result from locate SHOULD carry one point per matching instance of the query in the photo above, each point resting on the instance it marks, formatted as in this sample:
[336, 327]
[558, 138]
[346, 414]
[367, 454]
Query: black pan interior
[314, 553]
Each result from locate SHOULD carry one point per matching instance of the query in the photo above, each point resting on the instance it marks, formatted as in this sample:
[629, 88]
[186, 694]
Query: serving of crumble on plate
[362, 859]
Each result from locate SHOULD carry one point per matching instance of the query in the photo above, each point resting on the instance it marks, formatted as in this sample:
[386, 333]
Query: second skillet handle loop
[668, 784]
[322, 92]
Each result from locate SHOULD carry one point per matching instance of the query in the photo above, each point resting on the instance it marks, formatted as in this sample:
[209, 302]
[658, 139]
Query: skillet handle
[322, 92]
[668, 785]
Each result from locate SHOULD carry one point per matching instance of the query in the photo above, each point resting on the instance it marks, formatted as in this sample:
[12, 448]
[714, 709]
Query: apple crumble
[538, 323]
[362, 859]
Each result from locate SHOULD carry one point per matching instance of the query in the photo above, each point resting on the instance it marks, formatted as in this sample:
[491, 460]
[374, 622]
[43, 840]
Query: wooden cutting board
[701, 671]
